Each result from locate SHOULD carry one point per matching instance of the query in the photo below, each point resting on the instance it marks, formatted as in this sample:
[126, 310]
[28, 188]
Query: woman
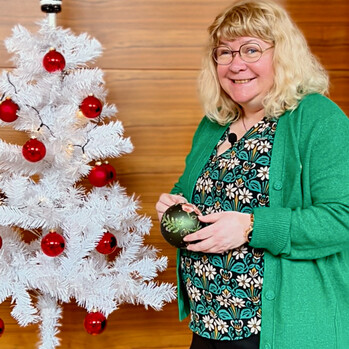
[269, 170]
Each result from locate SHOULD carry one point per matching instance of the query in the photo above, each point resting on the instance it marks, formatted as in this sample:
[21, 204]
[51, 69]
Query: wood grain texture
[152, 56]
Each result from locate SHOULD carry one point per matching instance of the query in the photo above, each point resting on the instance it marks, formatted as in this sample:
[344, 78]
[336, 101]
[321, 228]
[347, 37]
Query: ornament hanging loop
[51, 8]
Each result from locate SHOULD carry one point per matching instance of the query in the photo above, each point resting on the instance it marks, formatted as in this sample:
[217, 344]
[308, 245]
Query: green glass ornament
[178, 221]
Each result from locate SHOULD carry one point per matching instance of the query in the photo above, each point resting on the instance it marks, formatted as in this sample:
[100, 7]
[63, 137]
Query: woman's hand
[226, 231]
[167, 200]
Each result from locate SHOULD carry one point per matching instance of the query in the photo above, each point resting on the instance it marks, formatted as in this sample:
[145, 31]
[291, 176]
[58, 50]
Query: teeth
[242, 81]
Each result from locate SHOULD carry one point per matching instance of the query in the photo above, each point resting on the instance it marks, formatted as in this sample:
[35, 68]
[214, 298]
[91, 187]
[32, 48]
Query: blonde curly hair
[297, 71]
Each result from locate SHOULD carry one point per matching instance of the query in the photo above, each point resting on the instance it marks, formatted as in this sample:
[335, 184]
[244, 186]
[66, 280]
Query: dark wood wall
[152, 54]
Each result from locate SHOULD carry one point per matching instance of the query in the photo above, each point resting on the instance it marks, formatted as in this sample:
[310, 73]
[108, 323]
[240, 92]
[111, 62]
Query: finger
[207, 246]
[210, 218]
[161, 207]
[201, 234]
[179, 199]
[169, 199]
[165, 201]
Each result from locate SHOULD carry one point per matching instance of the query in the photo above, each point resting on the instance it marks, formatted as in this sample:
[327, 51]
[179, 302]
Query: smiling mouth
[244, 81]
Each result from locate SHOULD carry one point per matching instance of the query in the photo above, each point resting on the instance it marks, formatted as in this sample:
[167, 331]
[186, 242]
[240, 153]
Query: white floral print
[194, 293]
[264, 147]
[255, 325]
[240, 252]
[231, 191]
[210, 272]
[198, 267]
[245, 195]
[221, 326]
[208, 321]
[238, 302]
[263, 173]
[244, 281]
[225, 290]
[250, 143]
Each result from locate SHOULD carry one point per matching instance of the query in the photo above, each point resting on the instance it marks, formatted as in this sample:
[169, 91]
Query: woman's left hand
[226, 231]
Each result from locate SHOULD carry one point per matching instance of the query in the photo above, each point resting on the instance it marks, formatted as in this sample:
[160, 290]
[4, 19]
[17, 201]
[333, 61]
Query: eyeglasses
[249, 53]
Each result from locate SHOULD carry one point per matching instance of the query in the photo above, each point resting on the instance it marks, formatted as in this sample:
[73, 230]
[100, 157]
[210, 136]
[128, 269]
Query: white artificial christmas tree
[54, 96]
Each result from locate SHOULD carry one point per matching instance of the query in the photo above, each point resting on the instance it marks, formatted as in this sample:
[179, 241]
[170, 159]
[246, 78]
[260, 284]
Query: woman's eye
[250, 50]
[223, 52]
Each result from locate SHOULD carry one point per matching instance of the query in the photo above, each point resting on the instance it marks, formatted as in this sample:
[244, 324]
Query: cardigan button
[277, 185]
[267, 346]
[270, 295]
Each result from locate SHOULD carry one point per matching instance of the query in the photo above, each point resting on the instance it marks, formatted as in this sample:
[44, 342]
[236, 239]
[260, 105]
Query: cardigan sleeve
[311, 219]
[185, 183]
[180, 187]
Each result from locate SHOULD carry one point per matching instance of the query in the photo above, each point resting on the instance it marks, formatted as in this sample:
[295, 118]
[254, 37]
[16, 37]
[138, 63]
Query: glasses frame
[234, 52]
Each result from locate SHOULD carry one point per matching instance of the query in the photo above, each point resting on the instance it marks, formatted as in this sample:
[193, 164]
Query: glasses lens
[250, 52]
[222, 55]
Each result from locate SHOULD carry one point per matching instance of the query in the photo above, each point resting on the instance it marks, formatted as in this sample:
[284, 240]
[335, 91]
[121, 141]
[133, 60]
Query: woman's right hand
[167, 200]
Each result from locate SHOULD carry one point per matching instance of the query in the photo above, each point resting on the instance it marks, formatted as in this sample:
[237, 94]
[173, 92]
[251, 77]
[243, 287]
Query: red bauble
[2, 327]
[98, 176]
[95, 323]
[34, 150]
[91, 107]
[111, 173]
[0, 241]
[8, 110]
[53, 61]
[107, 244]
[52, 244]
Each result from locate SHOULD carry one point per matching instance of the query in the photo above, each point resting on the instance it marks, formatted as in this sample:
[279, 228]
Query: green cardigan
[305, 231]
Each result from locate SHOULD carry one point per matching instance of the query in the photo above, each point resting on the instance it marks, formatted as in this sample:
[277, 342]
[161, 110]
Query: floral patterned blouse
[224, 290]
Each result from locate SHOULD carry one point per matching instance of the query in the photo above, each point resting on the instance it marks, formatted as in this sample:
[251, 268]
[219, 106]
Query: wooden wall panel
[154, 97]
[164, 35]
[152, 55]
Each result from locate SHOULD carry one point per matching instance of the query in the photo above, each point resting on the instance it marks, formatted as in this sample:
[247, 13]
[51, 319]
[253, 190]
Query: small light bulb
[69, 149]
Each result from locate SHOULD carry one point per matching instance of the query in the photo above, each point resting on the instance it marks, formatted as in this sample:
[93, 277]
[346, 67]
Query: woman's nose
[237, 64]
